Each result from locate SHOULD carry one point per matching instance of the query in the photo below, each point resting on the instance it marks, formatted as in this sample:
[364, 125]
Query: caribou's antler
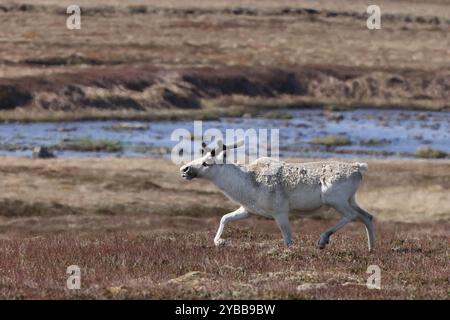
[234, 145]
[222, 147]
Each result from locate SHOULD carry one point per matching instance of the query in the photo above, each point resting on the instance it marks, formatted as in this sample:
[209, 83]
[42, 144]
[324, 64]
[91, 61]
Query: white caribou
[273, 188]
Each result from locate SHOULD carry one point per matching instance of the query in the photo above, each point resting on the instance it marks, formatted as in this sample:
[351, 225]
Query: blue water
[401, 132]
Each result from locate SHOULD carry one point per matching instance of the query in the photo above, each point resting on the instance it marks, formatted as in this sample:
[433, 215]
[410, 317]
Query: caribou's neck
[231, 179]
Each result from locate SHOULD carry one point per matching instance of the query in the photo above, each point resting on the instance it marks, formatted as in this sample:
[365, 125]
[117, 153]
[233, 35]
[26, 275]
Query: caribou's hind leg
[367, 219]
[349, 214]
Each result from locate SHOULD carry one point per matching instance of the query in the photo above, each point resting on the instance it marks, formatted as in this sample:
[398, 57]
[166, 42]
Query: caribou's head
[211, 157]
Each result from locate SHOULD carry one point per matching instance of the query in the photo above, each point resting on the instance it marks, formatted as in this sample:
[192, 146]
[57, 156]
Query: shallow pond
[368, 132]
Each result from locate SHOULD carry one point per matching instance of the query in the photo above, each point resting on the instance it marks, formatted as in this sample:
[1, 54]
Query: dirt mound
[12, 96]
[142, 88]
[246, 81]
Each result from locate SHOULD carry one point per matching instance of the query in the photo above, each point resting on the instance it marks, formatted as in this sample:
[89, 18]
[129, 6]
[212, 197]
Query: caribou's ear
[224, 155]
[219, 145]
[218, 149]
[205, 148]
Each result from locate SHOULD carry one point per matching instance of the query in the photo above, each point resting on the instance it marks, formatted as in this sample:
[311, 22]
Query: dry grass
[395, 190]
[24, 115]
[134, 227]
[171, 263]
[335, 58]
[331, 140]
[429, 153]
[217, 37]
[88, 144]
[138, 231]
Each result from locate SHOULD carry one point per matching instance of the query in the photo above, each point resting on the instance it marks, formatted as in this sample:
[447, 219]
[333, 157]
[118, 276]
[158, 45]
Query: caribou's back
[304, 184]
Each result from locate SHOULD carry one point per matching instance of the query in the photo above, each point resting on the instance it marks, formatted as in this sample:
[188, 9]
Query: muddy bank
[147, 88]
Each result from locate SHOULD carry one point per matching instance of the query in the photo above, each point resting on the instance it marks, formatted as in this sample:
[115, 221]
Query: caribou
[273, 188]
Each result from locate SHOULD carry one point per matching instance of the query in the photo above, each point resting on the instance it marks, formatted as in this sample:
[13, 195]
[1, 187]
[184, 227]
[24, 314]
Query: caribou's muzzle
[187, 173]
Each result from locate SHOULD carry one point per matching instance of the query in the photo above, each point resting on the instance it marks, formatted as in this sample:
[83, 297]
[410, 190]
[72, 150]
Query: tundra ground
[200, 59]
[137, 230]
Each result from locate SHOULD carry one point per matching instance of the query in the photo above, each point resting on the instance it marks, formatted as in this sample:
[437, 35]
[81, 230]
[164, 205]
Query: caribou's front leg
[238, 214]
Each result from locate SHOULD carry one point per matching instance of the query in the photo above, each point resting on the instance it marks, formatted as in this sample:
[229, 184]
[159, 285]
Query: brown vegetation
[146, 60]
[169, 263]
[332, 140]
[138, 231]
[134, 227]
[429, 153]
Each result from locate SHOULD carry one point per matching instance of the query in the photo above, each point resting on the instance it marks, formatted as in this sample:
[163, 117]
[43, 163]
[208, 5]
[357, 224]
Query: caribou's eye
[205, 164]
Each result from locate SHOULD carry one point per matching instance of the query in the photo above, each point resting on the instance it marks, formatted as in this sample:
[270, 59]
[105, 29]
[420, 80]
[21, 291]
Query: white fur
[273, 188]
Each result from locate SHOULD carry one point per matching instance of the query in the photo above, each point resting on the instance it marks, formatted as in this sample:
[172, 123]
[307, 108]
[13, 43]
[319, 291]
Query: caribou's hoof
[220, 242]
[323, 241]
